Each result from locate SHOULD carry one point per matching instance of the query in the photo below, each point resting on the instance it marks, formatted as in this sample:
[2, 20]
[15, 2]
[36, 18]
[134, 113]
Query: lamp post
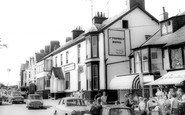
[8, 70]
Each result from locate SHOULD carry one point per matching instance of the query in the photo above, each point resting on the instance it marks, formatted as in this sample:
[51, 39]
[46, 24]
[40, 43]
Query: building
[43, 69]
[90, 60]
[162, 56]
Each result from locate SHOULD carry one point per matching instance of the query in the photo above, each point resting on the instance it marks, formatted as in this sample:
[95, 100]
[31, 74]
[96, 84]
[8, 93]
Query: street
[20, 109]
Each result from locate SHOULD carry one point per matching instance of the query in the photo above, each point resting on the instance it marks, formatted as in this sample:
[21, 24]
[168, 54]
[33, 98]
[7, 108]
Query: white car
[71, 106]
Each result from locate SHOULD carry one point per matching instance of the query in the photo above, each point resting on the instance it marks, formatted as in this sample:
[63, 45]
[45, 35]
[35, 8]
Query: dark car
[117, 110]
[34, 101]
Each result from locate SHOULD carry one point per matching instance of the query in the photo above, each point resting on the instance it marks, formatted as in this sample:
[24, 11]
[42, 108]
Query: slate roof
[178, 37]
[58, 72]
[39, 56]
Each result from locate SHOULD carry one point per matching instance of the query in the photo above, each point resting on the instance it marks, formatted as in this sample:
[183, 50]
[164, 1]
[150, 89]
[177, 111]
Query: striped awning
[125, 82]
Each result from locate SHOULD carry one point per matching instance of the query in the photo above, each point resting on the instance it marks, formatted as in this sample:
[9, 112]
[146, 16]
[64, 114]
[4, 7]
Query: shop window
[138, 61]
[67, 75]
[145, 60]
[156, 59]
[176, 58]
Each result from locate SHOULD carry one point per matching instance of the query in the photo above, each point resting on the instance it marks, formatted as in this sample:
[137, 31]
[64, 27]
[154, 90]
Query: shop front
[125, 84]
[170, 79]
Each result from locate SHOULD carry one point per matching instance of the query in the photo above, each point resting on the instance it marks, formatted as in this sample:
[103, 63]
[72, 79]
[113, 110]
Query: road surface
[20, 109]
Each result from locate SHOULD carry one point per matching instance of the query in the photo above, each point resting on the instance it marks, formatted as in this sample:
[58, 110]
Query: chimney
[134, 3]
[42, 51]
[53, 45]
[68, 39]
[164, 16]
[47, 47]
[76, 32]
[99, 18]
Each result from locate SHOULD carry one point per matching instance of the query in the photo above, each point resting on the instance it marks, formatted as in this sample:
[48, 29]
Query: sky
[28, 25]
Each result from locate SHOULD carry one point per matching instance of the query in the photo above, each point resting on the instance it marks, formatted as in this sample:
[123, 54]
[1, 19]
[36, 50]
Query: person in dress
[104, 98]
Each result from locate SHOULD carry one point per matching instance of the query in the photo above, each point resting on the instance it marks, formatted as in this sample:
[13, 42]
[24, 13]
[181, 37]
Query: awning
[125, 82]
[58, 72]
[170, 78]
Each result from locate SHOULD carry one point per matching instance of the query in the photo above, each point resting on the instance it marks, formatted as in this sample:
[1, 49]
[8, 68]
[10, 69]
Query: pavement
[50, 102]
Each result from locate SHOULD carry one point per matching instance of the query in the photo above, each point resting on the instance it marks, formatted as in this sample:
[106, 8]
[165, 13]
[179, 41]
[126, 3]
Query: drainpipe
[105, 60]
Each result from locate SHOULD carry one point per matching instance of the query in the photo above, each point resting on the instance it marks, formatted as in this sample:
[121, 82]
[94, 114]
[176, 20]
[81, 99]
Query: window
[176, 57]
[61, 59]
[94, 46]
[138, 61]
[89, 77]
[125, 24]
[56, 61]
[79, 48]
[67, 75]
[95, 76]
[67, 57]
[156, 59]
[79, 81]
[88, 47]
[166, 27]
[145, 60]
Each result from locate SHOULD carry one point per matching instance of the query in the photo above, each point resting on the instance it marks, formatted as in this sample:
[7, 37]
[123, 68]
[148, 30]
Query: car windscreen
[120, 111]
[37, 97]
[75, 102]
[16, 93]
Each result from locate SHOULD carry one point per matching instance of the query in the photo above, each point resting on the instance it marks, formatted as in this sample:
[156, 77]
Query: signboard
[117, 46]
[69, 67]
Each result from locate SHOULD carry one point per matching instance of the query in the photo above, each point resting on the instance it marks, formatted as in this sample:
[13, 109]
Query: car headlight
[73, 112]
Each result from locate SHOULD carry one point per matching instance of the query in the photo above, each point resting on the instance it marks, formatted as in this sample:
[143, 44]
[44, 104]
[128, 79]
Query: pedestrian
[166, 106]
[97, 95]
[104, 98]
[96, 108]
[128, 100]
[142, 106]
[174, 105]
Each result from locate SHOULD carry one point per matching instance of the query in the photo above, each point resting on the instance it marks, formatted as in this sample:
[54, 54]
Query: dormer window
[166, 27]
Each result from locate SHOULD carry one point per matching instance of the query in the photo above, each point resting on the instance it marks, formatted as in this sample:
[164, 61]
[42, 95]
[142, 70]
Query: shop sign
[117, 45]
[69, 67]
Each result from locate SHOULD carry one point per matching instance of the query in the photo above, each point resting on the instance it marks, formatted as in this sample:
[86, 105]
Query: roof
[108, 22]
[115, 18]
[58, 72]
[39, 56]
[75, 41]
[178, 37]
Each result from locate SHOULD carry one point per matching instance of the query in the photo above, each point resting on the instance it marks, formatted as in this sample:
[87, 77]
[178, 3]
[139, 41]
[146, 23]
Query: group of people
[171, 102]
[99, 100]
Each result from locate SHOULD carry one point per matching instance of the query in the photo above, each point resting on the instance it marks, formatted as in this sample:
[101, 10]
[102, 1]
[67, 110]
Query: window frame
[67, 80]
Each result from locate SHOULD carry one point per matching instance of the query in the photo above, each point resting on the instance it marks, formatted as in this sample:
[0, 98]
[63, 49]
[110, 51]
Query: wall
[73, 59]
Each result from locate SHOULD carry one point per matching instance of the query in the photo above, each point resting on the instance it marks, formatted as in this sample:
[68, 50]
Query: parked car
[15, 97]
[116, 110]
[71, 106]
[34, 101]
